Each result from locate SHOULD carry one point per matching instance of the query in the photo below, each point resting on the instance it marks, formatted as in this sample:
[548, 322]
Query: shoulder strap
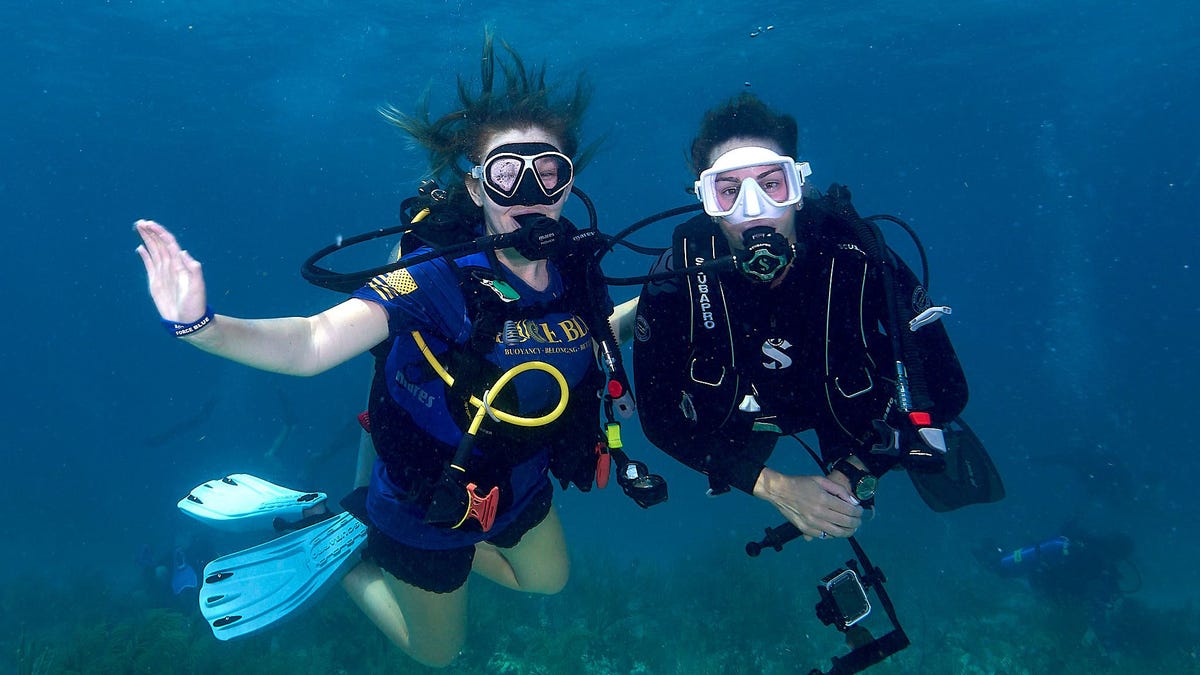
[837, 202]
[489, 300]
[927, 354]
[712, 368]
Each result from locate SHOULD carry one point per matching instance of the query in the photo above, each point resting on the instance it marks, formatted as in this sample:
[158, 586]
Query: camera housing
[844, 599]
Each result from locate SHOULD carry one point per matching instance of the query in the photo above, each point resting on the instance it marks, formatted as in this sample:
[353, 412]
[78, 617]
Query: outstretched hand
[176, 280]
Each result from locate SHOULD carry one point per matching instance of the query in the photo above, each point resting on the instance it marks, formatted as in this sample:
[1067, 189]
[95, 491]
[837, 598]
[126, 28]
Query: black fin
[970, 476]
[356, 504]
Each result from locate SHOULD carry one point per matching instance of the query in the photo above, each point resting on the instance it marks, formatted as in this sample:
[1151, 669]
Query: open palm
[176, 280]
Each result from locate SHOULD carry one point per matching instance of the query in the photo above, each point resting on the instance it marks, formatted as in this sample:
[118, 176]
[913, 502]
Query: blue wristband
[185, 329]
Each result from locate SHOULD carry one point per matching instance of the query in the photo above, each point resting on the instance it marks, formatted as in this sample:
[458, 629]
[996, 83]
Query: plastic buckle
[483, 508]
[925, 450]
[889, 439]
[932, 437]
[625, 405]
[749, 404]
[612, 433]
[928, 316]
[364, 421]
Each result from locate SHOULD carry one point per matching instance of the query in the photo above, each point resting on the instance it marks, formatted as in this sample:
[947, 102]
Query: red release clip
[483, 508]
[603, 464]
[364, 421]
[920, 419]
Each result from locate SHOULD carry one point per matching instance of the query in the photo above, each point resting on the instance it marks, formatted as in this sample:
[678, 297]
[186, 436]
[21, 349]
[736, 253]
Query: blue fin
[183, 575]
[247, 591]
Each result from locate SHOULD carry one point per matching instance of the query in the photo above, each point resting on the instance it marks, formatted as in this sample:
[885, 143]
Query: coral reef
[716, 614]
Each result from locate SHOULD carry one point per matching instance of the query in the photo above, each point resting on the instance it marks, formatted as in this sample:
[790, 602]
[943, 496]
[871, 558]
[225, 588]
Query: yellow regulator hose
[485, 406]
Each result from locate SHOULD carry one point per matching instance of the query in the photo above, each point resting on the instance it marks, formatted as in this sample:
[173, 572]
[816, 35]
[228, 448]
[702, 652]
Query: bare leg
[538, 564]
[429, 627]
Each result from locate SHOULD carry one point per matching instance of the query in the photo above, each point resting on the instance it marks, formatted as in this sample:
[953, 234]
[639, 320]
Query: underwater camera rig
[844, 603]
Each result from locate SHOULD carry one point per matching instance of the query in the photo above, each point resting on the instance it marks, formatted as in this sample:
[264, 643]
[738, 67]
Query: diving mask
[525, 174]
[750, 183]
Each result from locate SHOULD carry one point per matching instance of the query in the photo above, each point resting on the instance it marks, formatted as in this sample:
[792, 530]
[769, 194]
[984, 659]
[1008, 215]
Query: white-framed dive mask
[767, 192]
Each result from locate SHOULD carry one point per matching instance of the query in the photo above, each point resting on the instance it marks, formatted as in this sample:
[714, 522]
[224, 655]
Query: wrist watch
[862, 483]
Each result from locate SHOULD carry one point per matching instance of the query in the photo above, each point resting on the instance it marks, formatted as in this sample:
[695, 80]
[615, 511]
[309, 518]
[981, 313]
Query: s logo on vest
[773, 349]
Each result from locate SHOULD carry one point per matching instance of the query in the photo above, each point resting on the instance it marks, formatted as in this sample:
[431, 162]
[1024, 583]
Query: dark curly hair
[743, 116]
[524, 100]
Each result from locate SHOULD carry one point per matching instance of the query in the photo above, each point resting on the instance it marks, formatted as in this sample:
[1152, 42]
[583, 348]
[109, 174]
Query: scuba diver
[1078, 570]
[780, 309]
[168, 575]
[485, 382]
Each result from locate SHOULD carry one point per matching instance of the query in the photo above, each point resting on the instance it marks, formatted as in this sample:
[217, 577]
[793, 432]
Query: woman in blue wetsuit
[471, 318]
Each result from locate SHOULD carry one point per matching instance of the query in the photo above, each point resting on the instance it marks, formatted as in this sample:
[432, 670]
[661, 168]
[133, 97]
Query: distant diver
[1076, 570]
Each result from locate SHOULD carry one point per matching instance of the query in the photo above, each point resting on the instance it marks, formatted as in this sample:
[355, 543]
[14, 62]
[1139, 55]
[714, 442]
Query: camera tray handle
[864, 655]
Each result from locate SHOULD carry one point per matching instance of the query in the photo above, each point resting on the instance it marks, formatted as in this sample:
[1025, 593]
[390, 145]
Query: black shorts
[443, 571]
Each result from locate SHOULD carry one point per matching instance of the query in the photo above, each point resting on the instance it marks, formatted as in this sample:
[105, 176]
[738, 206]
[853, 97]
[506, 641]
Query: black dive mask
[523, 174]
[539, 237]
[766, 253]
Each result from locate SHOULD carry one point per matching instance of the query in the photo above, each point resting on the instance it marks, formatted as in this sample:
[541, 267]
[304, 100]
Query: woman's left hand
[176, 280]
[818, 506]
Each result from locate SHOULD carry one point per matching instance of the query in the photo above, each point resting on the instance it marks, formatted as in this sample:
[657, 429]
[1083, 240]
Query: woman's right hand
[176, 280]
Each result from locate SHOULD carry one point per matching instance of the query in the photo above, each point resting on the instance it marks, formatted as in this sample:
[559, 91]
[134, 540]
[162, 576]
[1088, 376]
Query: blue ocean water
[1047, 153]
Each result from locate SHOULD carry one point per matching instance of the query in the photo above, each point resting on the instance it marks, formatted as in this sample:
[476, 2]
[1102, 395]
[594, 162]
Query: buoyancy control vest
[714, 394]
[415, 459]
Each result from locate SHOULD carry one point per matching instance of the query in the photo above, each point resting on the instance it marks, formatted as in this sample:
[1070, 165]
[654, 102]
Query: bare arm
[294, 346]
[297, 345]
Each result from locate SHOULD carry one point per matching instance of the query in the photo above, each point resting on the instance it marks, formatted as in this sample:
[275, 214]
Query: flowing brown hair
[524, 100]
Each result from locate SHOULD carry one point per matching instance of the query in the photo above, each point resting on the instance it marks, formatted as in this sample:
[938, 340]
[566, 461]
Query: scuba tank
[1044, 552]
